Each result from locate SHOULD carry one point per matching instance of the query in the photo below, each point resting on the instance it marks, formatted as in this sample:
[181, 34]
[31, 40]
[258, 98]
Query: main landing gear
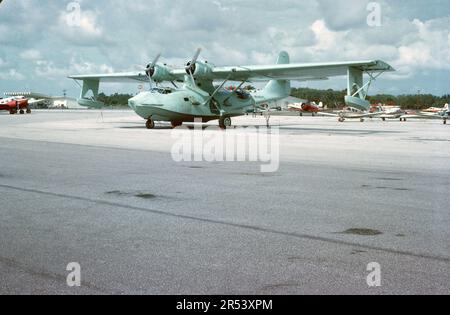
[224, 122]
[150, 124]
[14, 111]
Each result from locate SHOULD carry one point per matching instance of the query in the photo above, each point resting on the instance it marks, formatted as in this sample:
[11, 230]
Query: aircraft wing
[131, 77]
[301, 72]
[294, 106]
[423, 116]
[36, 101]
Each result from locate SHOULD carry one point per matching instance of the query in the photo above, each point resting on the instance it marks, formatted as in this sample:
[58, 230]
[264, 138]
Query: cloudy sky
[42, 42]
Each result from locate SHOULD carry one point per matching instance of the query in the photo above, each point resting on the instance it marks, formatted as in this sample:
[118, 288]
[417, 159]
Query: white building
[65, 103]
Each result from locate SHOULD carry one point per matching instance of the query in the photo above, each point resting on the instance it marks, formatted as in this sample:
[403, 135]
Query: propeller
[150, 70]
[190, 67]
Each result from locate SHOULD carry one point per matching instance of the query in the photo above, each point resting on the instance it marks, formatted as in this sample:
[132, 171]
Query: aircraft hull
[186, 106]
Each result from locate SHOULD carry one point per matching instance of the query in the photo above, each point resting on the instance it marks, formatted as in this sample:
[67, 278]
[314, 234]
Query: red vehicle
[15, 105]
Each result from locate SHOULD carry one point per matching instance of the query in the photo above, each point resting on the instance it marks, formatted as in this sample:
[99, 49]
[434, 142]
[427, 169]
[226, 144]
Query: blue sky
[40, 47]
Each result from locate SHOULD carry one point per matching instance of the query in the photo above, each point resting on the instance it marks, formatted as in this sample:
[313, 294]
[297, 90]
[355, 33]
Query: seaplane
[199, 93]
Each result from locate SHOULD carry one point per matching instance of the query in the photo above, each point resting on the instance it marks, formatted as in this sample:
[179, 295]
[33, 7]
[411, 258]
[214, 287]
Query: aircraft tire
[28, 111]
[21, 112]
[224, 122]
[445, 121]
[383, 119]
[13, 111]
[361, 120]
[341, 119]
[150, 124]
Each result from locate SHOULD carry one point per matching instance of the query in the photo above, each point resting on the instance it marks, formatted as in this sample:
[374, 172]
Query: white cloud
[84, 31]
[31, 54]
[48, 69]
[13, 75]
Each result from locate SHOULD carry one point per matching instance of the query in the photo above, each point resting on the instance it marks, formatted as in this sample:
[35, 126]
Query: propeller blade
[193, 60]
[155, 61]
[197, 54]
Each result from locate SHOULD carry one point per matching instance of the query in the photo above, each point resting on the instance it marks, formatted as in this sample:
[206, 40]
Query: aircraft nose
[132, 103]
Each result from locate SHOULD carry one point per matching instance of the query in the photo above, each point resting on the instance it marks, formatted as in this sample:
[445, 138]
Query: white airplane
[435, 109]
[348, 113]
[443, 115]
[392, 112]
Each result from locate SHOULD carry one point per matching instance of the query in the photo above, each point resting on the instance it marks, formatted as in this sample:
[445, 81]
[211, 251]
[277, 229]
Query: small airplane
[436, 109]
[20, 102]
[15, 105]
[199, 98]
[391, 112]
[443, 115]
[348, 113]
[309, 107]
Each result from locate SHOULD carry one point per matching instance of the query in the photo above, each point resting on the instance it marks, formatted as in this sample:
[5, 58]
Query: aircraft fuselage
[189, 103]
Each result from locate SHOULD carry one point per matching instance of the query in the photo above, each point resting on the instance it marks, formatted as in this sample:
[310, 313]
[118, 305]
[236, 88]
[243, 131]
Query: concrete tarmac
[99, 189]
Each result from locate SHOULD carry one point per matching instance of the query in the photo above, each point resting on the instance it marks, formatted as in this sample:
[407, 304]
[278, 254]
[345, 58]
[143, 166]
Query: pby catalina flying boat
[199, 98]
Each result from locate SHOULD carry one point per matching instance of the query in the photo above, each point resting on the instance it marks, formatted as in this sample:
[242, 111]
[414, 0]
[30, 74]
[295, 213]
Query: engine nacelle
[160, 73]
[199, 69]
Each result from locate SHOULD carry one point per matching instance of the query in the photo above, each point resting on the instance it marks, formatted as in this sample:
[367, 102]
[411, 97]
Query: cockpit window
[161, 90]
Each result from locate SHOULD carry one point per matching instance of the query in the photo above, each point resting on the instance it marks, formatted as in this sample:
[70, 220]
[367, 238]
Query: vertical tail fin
[278, 89]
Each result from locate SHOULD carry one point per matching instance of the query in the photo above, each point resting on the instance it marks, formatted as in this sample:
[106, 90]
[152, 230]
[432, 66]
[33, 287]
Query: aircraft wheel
[176, 124]
[21, 112]
[28, 111]
[383, 119]
[445, 121]
[13, 111]
[224, 122]
[361, 120]
[341, 119]
[150, 124]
